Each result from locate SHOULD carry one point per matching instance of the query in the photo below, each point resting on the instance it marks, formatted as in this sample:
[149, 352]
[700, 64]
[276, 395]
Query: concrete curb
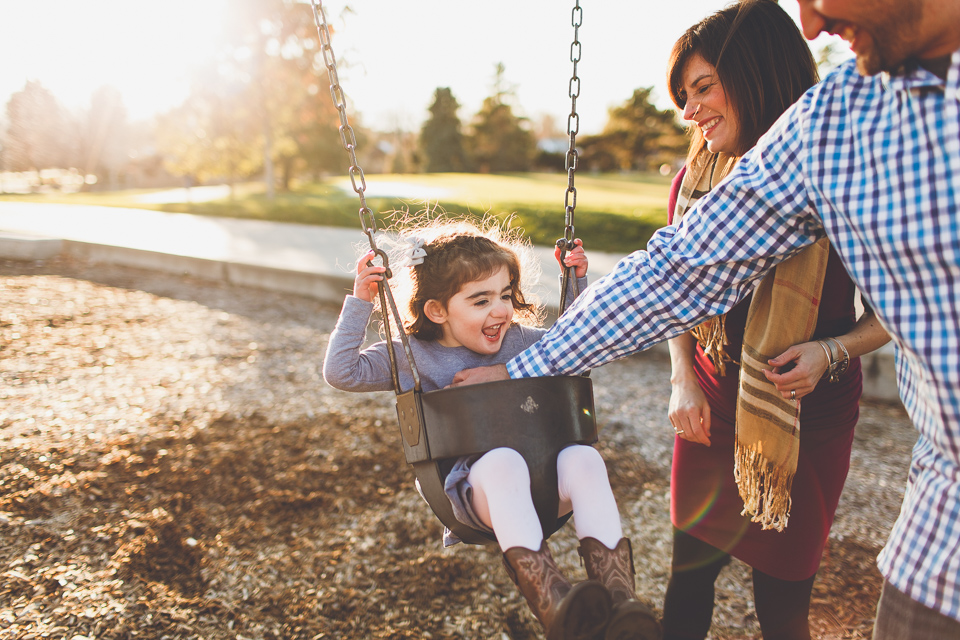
[313, 285]
[26, 248]
[149, 260]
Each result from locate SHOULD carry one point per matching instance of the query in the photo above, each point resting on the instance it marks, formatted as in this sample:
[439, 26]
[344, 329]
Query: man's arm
[760, 215]
[480, 374]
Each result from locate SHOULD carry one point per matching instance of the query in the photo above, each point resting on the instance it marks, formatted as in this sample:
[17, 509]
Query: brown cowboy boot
[566, 612]
[631, 619]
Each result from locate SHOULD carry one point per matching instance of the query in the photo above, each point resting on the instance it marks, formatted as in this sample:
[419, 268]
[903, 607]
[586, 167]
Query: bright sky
[392, 54]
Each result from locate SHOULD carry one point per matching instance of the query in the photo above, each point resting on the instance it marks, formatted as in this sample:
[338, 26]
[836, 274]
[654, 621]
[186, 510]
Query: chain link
[573, 127]
[348, 139]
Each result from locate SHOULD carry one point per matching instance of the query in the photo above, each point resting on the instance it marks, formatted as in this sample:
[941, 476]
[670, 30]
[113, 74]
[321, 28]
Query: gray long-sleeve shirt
[347, 368]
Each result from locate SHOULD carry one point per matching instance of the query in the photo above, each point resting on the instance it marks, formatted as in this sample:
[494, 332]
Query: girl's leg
[607, 556]
[501, 498]
[783, 606]
[584, 486]
[688, 605]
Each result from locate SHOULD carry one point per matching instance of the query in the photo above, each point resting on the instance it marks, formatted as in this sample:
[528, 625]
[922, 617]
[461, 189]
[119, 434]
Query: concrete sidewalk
[306, 260]
[293, 258]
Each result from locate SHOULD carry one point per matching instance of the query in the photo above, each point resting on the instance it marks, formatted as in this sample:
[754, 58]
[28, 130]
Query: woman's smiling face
[707, 106]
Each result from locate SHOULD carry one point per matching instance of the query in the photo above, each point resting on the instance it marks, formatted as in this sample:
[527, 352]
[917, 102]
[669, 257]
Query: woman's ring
[793, 394]
[679, 431]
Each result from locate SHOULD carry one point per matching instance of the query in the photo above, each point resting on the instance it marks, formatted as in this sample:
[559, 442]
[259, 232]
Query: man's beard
[870, 63]
[890, 42]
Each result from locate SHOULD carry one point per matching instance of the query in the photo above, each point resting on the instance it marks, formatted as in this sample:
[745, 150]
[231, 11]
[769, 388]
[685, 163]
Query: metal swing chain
[348, 140]
[573, 127]
[349, 144]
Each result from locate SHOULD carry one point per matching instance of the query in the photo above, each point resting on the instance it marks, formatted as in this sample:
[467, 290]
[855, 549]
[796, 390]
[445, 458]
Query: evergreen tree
[501, 141]
[440, 137]
[637, 136]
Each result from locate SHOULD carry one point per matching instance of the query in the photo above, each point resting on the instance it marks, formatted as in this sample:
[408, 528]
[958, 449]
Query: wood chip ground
[172, 465]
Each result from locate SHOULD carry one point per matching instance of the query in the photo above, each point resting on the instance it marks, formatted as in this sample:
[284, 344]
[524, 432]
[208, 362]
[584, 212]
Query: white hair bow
[417, 253]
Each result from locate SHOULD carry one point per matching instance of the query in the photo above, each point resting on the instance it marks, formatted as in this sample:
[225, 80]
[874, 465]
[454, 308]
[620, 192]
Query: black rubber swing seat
[537, 417]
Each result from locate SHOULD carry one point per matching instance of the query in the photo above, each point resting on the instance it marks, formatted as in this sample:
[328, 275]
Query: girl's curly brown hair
[459, 252]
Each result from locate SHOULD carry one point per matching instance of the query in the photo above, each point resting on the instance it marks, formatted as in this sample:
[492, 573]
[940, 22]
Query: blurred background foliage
[262, 113]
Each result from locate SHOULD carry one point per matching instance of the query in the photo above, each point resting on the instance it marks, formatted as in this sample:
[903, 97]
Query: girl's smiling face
[707, 106]
[477, 316]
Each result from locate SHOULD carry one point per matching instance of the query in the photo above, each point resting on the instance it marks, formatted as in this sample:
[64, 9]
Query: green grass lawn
[615, 213]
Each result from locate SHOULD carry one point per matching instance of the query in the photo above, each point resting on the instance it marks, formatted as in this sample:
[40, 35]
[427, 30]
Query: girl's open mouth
[492, 332]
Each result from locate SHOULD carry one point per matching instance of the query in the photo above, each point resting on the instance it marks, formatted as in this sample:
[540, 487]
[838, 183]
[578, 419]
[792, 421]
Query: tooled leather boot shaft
[613, 568]
[539, 579]
[567, 612]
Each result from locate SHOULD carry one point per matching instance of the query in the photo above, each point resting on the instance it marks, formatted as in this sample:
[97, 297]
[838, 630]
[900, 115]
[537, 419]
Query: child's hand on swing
[365, 284]
[574, 258]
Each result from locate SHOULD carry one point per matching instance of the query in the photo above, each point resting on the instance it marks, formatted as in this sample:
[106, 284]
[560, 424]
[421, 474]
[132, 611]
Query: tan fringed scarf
[705, 172]
[783, 313]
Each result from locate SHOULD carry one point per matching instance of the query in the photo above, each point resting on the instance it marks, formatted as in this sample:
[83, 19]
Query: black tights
[783, 606]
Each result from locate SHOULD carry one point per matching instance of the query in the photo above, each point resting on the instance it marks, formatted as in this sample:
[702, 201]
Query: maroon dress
[704, 499]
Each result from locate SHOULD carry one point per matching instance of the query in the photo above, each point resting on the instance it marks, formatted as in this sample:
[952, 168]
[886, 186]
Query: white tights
[502, 500]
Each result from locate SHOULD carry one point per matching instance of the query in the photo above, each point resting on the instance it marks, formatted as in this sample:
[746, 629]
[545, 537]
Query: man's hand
[480, 374]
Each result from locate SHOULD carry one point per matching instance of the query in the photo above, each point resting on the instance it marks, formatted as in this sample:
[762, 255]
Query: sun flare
[147, 51]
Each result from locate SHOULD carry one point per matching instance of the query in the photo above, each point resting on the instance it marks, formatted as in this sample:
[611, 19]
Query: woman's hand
[365, 284]
[689, 412]
[574, 258]
[797, 370]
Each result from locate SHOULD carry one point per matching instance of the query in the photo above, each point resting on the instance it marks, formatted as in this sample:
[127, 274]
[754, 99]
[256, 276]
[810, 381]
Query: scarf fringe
[764, 488]
[712, 337]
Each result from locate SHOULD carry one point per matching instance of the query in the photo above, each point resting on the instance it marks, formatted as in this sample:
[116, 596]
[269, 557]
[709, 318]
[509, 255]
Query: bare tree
[38, 134]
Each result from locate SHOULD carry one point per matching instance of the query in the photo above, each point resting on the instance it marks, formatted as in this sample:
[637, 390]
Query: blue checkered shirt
[873, 163]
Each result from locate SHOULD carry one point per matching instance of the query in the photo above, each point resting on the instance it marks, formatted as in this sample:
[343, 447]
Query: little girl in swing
[464, 306]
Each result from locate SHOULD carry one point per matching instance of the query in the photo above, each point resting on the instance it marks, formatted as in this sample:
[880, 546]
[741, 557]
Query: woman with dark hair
[747, 463]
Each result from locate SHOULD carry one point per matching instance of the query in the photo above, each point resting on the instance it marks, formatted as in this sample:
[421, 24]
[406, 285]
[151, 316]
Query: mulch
[170, 467]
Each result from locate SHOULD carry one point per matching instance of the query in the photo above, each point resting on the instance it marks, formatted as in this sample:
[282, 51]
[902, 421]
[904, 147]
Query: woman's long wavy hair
[762, 61]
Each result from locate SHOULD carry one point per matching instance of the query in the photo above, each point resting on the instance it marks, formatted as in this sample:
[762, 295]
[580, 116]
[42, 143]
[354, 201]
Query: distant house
[552, 154]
